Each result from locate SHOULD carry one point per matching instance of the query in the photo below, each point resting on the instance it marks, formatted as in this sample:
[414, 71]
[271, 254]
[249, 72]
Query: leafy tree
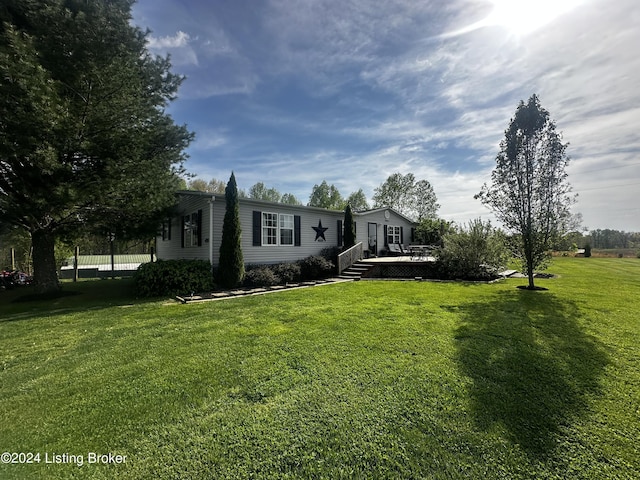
[212, 186]
[425, 201]
[260, 192]
[198, 185]
[358, 201]
[349, 228]
[431, 231]
[474, 252]
[290, 199]
[325, 196]
[529, 192]
[231, 267]
[401, 192]
[85, 143]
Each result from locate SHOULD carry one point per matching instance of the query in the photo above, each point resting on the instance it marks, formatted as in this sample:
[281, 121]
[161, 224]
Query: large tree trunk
[45, 271]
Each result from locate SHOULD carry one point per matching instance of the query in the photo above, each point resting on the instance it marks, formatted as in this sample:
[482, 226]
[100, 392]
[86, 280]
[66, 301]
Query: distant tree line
[602, 239]
[413, 198]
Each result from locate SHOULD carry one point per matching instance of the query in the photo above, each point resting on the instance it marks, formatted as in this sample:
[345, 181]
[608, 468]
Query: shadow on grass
[24, 304]
[531, 364]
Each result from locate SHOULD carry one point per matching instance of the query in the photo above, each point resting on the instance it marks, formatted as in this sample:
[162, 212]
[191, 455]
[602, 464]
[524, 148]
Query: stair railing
[349, 257]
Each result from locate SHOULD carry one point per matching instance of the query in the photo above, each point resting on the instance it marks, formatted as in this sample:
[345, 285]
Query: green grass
[357, 380]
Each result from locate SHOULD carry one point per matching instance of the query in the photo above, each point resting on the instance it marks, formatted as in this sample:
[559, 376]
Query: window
[286, 229]
[191, 230]
[394, 234]
[272, 229]
[277, 229]
[269, 228]
[166, 229]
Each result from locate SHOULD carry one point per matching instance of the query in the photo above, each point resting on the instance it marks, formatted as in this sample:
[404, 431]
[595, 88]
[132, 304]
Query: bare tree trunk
[530, 275]
[45, 272]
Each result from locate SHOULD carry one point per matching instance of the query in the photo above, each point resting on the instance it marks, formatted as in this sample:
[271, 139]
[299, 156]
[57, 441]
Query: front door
[373, 238]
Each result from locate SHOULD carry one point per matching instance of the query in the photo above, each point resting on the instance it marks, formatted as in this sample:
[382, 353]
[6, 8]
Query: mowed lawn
[354, 380]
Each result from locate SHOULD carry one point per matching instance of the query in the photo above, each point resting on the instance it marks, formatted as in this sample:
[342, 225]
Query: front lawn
[355, 380]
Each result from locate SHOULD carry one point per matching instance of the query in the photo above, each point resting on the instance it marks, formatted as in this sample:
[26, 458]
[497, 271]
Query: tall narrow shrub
[231, 268]
[349, 230]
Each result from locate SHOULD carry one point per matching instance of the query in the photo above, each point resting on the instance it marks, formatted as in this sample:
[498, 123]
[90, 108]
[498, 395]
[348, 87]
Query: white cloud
[180, 39]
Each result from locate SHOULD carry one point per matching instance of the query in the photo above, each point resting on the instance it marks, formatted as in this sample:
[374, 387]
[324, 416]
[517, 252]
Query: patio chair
[394, 249]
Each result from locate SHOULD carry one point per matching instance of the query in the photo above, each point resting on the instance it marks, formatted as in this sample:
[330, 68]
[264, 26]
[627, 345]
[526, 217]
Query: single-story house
[273, 232]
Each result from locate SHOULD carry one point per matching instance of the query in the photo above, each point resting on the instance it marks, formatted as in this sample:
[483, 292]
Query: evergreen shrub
[260, 276]
[288, 272]
[316, 267]
[173, 277]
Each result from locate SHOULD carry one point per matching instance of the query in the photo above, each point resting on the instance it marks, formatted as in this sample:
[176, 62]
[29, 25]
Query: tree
[290, 199]
[432, 231]
[231, 267]
[260, 192]
[85, 143]
[349, 228]
[529, 192]
[358, 201]
[425, 201]
[416, 200]
[212, 186]
[325, 196]
[476, 251]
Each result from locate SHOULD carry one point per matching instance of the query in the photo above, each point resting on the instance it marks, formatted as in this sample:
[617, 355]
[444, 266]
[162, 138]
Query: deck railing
[349, 257]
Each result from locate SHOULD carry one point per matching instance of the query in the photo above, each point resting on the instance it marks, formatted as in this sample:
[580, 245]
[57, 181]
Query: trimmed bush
[261, 276]
[587, 250]
[316, 267]
[173, 277]
[288, 272]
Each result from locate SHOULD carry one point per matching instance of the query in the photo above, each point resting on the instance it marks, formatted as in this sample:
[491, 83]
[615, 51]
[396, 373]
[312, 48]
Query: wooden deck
[400, 258]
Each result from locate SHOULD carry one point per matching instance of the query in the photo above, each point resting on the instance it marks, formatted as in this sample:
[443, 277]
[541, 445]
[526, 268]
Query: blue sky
[291, 93]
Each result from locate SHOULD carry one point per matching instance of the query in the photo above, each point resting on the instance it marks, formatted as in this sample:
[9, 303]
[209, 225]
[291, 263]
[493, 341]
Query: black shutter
[169, 229]
[413, 234]
[257, 228]
[402, 235]
[182, 227]
[386, 239]
[199, 226]
[340, 233]
[297, 235]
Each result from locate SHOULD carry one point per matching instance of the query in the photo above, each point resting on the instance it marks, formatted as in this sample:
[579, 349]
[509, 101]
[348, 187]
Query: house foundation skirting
[402, 270]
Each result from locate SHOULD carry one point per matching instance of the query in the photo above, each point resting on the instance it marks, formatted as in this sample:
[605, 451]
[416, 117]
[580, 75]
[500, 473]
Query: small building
[273, 232]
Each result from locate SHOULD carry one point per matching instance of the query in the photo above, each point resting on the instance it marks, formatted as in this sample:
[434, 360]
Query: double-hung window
[191, 234]
[393, 234]
[286, 229]
[269, 228]
[277, 229]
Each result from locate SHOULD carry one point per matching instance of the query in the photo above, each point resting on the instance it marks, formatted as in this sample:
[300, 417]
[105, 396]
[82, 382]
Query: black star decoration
[320, 231]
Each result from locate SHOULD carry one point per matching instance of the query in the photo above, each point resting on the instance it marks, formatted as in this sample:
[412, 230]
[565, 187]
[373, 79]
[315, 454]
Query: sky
[294, 92]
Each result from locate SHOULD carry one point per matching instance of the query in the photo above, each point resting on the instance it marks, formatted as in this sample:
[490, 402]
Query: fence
[103, 266]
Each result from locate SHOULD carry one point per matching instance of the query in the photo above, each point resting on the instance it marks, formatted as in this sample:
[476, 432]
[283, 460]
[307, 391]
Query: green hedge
[173, 277]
